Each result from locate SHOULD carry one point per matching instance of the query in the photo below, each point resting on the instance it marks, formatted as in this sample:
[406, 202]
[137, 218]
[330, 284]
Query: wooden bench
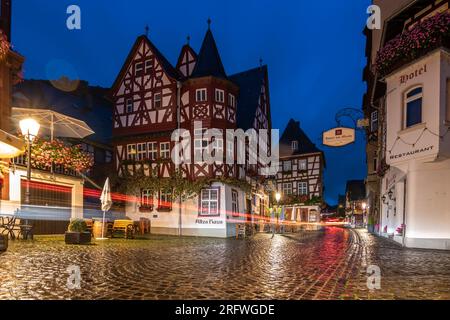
[125, 227]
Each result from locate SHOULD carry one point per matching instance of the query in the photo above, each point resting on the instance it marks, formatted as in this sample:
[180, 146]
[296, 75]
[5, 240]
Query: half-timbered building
[152, 99]
[300, 178]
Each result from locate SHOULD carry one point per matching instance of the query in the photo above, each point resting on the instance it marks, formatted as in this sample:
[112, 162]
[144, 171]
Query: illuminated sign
[339, 137]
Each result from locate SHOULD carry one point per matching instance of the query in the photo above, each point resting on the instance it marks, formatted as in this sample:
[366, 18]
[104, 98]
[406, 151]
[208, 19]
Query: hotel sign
[339, 137]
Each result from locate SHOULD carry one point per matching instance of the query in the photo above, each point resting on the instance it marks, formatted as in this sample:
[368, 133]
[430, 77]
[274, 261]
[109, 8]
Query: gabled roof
[186, 49]
[166, 65]
[249, 83]
[209, 62]
[293, 132]
[356, 190]
[84, 102]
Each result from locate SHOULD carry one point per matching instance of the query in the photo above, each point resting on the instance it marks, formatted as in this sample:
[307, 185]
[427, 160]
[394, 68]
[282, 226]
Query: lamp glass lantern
[29, 128]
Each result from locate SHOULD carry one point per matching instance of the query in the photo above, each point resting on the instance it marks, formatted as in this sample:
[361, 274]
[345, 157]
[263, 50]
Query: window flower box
[423, 38]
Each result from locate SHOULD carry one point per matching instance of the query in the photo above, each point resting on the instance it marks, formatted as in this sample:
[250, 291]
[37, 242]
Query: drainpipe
[404, 214]
[178, 127]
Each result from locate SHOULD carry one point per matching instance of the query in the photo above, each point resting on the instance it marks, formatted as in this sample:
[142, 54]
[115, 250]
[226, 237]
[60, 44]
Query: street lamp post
[30, 129]
[277, 198]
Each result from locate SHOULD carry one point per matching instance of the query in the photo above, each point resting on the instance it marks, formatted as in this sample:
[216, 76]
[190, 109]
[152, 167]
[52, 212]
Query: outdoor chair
[124, 227]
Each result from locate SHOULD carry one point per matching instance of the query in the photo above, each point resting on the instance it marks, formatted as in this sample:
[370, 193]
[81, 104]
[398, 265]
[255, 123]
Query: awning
[10, 146]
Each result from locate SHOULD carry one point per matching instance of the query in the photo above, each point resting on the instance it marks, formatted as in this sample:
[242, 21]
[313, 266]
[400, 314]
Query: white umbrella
[54, 123]
[106, 200]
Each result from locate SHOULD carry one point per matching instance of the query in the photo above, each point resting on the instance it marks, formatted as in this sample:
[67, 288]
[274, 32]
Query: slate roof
[356, 190]
[209, 62]
[87, 103]
[293, 132]
[249, 83]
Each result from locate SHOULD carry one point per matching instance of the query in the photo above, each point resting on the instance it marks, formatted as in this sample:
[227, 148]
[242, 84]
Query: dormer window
[200, 95]
[413, 107]
[138, 69]
[294, 145]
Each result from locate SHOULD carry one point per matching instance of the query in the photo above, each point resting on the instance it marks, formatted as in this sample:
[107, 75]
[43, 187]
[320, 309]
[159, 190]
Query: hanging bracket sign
[339, 137]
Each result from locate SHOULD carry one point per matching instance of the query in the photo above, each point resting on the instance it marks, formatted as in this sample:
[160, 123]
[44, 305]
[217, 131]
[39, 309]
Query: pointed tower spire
[209, 62]
[188, 38]
[209, 23]
[146, 30]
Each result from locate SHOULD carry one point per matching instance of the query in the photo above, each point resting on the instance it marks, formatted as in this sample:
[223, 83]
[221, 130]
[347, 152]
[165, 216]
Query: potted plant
[77, 233]
[3, 242]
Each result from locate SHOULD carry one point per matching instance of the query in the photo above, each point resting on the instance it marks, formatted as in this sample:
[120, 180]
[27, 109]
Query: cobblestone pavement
[325, 265]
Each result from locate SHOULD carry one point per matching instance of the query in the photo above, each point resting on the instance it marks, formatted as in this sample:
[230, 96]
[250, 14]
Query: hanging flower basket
[46, 153]
[424, 37]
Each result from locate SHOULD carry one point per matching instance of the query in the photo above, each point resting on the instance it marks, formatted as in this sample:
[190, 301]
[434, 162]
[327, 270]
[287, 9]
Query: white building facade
[415, 191]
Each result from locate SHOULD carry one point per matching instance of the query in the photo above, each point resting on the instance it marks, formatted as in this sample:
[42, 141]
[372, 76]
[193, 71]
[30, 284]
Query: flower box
[412, 44]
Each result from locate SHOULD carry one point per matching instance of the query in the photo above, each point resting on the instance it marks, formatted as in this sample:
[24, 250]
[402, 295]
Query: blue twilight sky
[314, 50]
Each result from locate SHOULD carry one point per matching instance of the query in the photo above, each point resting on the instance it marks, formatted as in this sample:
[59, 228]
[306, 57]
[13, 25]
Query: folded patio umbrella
[106, 201]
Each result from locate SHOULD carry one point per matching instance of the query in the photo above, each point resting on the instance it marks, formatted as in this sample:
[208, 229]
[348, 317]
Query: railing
[58, 169]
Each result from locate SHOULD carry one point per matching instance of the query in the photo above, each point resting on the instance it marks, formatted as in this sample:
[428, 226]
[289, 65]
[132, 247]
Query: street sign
[339, 137]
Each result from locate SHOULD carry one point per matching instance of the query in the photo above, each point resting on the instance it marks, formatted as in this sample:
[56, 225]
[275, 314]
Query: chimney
[5, 18]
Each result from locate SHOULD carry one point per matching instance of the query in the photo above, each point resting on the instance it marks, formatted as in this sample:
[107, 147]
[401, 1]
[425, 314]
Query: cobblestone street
[327, 265]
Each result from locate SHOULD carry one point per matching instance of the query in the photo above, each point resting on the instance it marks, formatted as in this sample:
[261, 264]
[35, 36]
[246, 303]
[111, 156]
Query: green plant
[77, 225]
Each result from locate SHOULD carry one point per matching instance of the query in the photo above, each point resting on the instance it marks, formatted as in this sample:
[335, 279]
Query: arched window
[413, 107]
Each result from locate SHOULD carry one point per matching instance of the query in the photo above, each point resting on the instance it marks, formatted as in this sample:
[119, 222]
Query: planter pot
[77, 237]
[3, 242]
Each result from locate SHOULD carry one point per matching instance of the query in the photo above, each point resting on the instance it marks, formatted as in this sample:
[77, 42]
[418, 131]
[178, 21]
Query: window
[294, 145]
[141, 151]
[139, 69]
[302, 188]
[217, 146]
[131, 151]
[165, 200]
[287, 188]
[200, 95]
[374, 121]
[146, 200]
[375, 164]
[164, 150]
[148, 66]
[157, 100]
[209, 202]
[200, 145]
[413, 107]
[230, 149]
[287, 166]
[231, 100]
[130, 106]
[302, 165]
[152, 150]
[108, 156]
[220, 96]
[235, 203]
[88, 149]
